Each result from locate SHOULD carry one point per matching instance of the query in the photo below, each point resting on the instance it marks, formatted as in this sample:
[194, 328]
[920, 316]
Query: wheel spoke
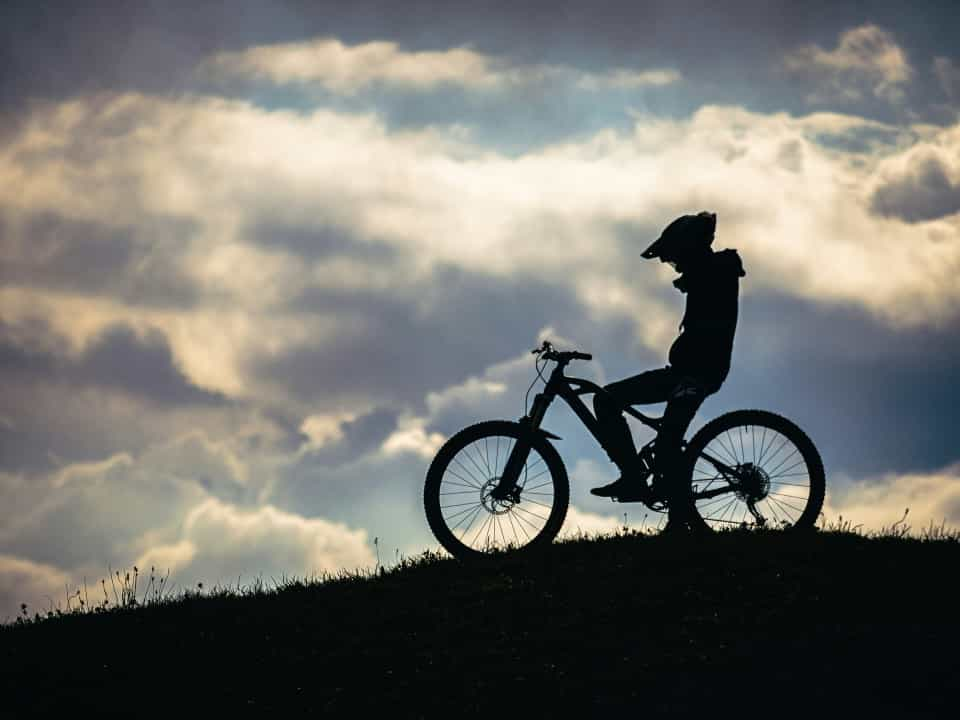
[773, 510]
[467, 471]
[548, 482]
[526, 520]
[785, 460]
[472, 519]
[444, 507]
[461, 512]
[474, 488]
[733, 445]
[780, 447]
[795, 497]
[530, 512]
[548, 507]
[458, 495]
[473, 462]
[731, 456]
[769, 446]
[763, 439]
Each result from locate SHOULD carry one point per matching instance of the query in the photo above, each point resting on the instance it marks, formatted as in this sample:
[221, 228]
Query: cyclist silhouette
[699, 358]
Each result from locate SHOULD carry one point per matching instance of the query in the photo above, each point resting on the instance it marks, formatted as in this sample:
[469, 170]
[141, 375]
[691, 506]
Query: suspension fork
[530, 423]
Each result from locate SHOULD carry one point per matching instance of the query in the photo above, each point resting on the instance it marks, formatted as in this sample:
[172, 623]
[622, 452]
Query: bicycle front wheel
[777, 479]
[464, 517]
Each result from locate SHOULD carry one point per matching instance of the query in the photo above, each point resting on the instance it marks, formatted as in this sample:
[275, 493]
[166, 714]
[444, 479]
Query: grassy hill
[741, 624]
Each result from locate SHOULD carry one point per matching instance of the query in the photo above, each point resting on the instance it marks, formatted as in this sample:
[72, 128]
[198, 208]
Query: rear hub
[754, 483]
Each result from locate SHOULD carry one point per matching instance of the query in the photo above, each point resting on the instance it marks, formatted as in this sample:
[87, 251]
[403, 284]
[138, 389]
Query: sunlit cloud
[866, 59]
[215, 314]
[917, 499]
[412, 437]
[41, 587]
[348, 69]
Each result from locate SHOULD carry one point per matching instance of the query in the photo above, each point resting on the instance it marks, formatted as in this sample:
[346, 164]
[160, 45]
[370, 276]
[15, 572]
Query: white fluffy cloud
[226, 174]
[923, 182]
[348, 69]
[865, 58]
[877, 503]
[801, 214]
[218, 540]
[192, 506]
[587, 523]
[41, 587]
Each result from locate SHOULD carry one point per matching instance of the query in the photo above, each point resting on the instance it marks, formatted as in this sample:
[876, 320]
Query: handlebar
[547, 352]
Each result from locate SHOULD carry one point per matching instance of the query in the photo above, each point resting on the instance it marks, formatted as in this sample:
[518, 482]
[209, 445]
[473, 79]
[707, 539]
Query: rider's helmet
[685, 236]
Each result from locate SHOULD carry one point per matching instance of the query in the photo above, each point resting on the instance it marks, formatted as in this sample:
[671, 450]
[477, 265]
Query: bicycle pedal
[633, 497]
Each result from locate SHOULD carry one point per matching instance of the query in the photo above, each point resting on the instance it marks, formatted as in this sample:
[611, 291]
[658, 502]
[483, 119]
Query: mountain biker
[699, 358]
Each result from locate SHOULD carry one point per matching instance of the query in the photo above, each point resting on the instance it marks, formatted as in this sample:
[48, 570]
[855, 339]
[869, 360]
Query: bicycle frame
[570, 389]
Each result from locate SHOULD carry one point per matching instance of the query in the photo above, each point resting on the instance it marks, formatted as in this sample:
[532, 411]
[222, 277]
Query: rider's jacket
[706, 340]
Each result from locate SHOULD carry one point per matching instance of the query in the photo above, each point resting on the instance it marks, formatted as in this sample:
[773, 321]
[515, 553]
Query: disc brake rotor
[494, 505]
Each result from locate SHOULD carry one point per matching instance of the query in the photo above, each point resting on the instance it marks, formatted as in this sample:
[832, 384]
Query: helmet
[685, 234]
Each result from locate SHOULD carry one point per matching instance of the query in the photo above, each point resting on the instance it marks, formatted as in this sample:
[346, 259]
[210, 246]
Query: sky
[259, 260]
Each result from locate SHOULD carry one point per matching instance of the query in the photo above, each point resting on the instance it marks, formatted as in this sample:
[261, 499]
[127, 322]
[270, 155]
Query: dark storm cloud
[948, 73]
[861, 139]
[117, 359]
[46, 392]
[360, 436]
[923, 192]
[725, 50]
[874, 398]
[400, 348]
[135, 265]
[381, 493]
[314, 243]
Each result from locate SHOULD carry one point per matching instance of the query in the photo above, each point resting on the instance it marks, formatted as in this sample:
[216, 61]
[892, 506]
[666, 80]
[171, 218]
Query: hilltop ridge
[736, 624]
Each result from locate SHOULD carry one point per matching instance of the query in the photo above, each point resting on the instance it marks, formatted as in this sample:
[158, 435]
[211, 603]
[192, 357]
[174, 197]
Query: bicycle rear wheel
[778, 480]
[464, 517]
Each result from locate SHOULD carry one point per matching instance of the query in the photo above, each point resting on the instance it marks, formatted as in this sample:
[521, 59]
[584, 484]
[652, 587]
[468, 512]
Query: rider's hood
[725, 262]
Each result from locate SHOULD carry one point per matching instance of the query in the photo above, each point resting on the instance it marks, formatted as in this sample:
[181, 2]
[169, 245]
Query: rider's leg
[684, 401]
[650, 387]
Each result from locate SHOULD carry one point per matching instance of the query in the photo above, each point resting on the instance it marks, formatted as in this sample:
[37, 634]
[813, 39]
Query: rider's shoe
[623, 489]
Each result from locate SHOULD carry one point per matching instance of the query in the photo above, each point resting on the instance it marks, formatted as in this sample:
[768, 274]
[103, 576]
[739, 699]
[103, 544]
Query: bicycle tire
[440, 468]
[783, 511]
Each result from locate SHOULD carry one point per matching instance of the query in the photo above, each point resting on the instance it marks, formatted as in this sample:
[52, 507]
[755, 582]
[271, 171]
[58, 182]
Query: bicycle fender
[525, 422]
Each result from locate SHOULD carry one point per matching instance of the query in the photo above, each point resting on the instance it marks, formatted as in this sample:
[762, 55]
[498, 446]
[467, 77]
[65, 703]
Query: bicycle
[745, 468]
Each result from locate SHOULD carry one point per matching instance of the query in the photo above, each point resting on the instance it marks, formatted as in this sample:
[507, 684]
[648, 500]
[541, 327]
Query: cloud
[411, 437]
[931, 498]
[42, 587]
[436, 204]
[948, 75]
[866, 59]
[579, 521]
[191, 505]
[219, 541]
[926, 189]
[922, 182]
[351, 293]
[348, 69]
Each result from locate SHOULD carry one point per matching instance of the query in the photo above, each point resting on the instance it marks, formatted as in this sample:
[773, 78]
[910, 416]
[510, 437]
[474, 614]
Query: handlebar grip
[582, 356]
